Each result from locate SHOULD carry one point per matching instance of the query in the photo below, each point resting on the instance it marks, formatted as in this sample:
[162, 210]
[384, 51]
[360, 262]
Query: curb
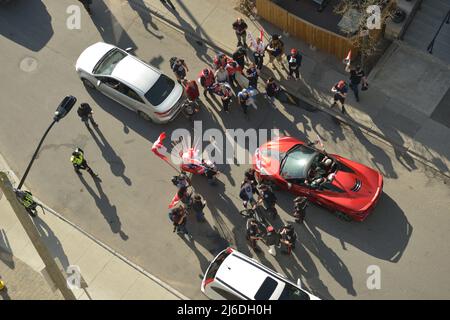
[219, 47]
[4, 167]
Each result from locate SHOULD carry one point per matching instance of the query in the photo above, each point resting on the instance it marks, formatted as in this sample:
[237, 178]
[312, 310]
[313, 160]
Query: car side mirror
[129, 50]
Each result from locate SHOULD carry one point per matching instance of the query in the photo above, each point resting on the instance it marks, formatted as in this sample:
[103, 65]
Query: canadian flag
[174, 201]
[158, 145]
[348, 59]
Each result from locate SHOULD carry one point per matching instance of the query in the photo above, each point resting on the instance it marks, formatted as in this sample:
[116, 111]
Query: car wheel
[144, 116]
[87, 83]
[343, 216]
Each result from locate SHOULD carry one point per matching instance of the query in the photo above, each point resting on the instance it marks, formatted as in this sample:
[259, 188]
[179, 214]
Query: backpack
[172, 62]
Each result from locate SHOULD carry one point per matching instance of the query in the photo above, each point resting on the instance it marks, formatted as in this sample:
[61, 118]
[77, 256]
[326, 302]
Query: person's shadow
[115, 162]
[108, 210]
[144, 13]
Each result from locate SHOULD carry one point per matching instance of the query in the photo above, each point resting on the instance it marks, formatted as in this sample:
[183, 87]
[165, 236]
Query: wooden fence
[316, 36]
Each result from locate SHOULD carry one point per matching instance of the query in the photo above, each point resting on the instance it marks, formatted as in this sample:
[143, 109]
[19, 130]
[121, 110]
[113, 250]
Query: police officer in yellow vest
[26, 199]
[79, 162]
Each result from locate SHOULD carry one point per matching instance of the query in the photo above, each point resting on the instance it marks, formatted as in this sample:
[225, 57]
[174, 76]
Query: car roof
[244, 275]
[136, 73]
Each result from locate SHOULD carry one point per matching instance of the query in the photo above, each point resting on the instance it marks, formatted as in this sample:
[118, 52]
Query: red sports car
[348, 188]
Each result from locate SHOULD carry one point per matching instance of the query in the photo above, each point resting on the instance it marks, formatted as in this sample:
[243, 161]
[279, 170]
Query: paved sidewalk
[107, 275]
[405, 87]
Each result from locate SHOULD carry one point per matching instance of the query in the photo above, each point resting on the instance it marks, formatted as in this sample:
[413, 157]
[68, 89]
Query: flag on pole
[348, 59]
[174, 201]
[158, 145]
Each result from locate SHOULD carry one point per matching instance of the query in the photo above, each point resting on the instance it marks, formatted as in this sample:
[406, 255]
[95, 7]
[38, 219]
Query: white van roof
[244, 274]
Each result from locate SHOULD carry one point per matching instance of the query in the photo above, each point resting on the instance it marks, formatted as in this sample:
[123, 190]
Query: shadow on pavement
[5, 251]
[146, 17]
[115, 162]
[108, 210]
[27, 23]
[109, 27]
[52, 241]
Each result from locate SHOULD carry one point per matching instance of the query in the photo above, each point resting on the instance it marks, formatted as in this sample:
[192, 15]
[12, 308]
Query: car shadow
[27, 23]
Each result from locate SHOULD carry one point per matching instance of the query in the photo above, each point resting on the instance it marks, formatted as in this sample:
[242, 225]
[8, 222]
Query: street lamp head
[64, 107]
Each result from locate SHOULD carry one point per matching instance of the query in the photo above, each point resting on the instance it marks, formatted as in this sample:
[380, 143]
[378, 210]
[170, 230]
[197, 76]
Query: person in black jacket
[86, 114]
[294, 63]
[240, 56]
[240, 28]
[198, 204]
[272, 89]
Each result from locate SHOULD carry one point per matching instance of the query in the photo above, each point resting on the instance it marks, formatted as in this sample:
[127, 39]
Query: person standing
[340, 90]
[272, 89]
[191, 89]
[294, 63]
[178, 216]
[244, 100]
[253, 233]
[240, 28]
[220, 59]
[356, 76]
[272, 240]
[258, 53]
[246, 194]
[27, 200]
[232, 68]
[288, 237]
[225, 95]
[275, 48]
[180, 69]
[300, 204]
[79, 162]
[252, 76]
[206, 80]
[87, 5]
[197, 206]
[221, 75]
[240, 56]
[86, 114]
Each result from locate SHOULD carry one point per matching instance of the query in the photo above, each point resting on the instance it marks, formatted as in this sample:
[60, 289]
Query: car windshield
[160, 90]
[296, 163]
[109, 61]
[291, 292]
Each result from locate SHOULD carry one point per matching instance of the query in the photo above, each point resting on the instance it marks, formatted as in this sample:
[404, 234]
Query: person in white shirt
[258, 52]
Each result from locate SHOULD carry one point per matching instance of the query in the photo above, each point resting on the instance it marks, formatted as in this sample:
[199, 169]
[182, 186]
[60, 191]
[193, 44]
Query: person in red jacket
[191, 89]
[206, 80]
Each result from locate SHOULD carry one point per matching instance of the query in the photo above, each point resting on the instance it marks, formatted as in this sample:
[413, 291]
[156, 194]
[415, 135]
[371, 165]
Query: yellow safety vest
[78, 160]
[27, 200]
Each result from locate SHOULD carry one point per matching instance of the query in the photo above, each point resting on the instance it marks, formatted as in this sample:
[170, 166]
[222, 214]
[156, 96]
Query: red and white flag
[261, 34]
[348, 59]
[174, 201]
[158, 145]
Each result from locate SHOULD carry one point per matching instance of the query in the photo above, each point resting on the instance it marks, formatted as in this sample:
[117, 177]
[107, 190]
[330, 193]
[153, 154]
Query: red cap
[341, 84]
[293, 51]
[269, 228]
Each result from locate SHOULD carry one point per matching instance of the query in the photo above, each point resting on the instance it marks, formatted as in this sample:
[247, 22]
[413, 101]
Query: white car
[131, 82]
[234, 276]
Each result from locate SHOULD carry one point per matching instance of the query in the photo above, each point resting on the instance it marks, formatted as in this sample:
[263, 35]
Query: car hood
[91, 55]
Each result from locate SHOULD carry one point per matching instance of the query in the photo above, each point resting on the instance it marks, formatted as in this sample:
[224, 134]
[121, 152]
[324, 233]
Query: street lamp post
[63, 109]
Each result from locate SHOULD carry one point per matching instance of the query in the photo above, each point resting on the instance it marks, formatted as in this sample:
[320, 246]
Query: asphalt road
[406, 236]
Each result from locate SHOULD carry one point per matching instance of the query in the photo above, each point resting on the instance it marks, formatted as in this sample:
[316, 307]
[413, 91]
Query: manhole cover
[28, 64]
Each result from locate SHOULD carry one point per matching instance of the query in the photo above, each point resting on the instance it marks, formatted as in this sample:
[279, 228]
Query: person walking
[225, 94]
[198, 205]
[191, 89]
[258, 52]
[240, 28]
[300, 204]
[86, 114]
[252, 76]
[340, 90]
[232, 68]
[275, 48]
[206, 80]
[27, 200]
[357, 76]
[180, 69]
[244, 100]
[79, 162]
[87, 5]
[294, 63]
[253, 233]
[246, 194]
